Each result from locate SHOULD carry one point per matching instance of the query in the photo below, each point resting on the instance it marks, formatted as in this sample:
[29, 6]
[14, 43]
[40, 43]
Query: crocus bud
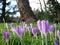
[5, 34]
[39, 25]
[11, 25]
[19, 30]
[45, 26]
[55, 42]
[28, 28]
[34, 31]
[51, 27]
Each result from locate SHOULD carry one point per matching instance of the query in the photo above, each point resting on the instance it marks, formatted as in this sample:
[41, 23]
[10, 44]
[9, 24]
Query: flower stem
[59, 40]
[7, 42]
[55, 32]
[29, 34]
[32, 41]
[20, 40]
[42, 39]
[13, 42]
[4, 22]
[46, 39]
[50, 36]
[36, 38]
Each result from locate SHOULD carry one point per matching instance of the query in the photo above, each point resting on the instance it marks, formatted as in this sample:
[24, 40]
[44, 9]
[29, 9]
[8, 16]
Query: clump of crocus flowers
[42, 25]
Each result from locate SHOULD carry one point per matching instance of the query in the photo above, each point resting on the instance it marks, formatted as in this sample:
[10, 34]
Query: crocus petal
[19, 30]
[58, 32]
[55, 42]
[13, 29]
[28, 28]
[45, 26]
[34, 31]
[39, 25]
[11, 25]
[5, 34]
[51, 27]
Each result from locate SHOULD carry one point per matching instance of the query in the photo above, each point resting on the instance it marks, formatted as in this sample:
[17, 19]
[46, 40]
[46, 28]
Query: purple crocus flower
[6, 34]
[51, 27]
[55, 42]
[28, 28]
[11, 25]
[45, 26]
[19, 30]
[34, 31]
[39, 25]
[58, 33]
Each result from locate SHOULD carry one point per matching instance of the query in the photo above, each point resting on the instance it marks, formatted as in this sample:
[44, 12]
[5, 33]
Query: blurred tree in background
[50, 11]
[5, 10]
[27, 14]
[54, 9]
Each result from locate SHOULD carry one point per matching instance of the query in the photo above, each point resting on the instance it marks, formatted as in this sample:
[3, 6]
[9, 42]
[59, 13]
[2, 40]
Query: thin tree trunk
[44, 5]
[40, 5]
[26, 13]
[3, 10]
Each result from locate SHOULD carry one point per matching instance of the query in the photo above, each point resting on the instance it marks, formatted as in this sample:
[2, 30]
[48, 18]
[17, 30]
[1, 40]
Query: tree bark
[3, 10]
[25, 10]
[45, 5]
[40, 5]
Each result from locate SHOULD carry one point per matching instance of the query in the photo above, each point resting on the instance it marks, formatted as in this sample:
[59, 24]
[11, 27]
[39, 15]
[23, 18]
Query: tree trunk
[3, 10]
[45, 5]
[40, 5]
[26, 13]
